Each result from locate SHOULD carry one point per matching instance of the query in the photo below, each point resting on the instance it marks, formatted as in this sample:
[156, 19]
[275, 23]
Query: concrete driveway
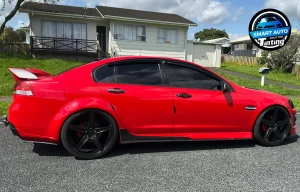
[184, 166]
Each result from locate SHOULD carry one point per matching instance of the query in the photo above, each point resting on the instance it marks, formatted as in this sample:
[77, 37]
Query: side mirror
[225, 87]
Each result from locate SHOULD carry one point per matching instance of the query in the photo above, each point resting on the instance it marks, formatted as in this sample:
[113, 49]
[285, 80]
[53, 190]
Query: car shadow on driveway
[187, 146]
[49, 150]
[140, 148]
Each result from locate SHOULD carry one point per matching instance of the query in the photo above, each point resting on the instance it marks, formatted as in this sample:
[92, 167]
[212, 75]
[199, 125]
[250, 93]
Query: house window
[49, 29]
[249, 46]
[167, 35]
[129, 32]
[64, 30]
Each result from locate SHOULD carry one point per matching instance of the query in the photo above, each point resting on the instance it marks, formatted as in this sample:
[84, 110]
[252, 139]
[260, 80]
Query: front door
[201, 107]
[101, 31]
[135, 90]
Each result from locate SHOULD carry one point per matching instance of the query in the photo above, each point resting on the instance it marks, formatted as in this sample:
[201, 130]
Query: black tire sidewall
[112, 142]
[256, 131]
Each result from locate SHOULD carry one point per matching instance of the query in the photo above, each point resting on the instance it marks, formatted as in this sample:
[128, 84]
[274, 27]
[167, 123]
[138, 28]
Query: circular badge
[269, 29]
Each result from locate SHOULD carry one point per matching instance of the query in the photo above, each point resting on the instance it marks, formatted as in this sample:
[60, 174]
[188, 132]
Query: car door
[201, 106]
[135, 89]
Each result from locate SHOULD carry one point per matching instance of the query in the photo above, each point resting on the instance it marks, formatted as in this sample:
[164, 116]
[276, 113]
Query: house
[88, 33]
[225, 44]
[244, 47]
[27, 32]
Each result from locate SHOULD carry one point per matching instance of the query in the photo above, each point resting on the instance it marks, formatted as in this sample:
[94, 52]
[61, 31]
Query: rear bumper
[11, 126]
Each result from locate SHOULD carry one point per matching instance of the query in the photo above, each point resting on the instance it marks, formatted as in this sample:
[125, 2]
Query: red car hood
[261, 93]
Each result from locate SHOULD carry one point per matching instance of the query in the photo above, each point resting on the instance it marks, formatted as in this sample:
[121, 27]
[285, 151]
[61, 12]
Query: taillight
[23, 88]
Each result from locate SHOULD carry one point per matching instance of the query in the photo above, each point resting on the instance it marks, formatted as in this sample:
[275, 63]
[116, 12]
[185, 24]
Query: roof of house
[50, 8]
[217, 39]
[145, 15]
[106, 12]
[242, 39]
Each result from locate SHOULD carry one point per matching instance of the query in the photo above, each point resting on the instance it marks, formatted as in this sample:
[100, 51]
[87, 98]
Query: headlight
[291, 104]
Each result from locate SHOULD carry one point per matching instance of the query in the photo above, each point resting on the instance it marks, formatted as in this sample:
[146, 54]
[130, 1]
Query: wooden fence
[240, 60]
[14, 49]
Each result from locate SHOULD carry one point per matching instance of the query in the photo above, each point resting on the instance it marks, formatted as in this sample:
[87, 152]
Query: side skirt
[126, 137]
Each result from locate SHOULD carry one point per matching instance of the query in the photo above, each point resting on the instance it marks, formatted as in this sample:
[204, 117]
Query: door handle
[115, 90]
[184, 95]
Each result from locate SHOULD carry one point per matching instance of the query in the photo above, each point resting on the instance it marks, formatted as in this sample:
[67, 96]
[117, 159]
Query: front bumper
[11, 126]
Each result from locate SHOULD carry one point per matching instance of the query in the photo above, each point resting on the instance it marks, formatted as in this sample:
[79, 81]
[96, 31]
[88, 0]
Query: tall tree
[212, 33]
[15, 10]
[284, 58]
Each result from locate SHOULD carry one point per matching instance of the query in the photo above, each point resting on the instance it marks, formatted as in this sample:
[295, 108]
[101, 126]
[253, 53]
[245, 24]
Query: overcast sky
[232, 15]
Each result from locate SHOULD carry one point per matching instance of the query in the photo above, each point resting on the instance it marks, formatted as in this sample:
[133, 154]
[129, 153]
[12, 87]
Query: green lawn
[296, 102]
[256, 84]
[52, 66]
[253, 70]
[3, 108]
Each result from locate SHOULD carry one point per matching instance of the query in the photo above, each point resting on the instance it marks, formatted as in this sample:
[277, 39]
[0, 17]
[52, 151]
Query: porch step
[103, 54]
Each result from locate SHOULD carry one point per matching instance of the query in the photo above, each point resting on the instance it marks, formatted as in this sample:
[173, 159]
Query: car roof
[99, 63]
[141, 57]
[124, 58]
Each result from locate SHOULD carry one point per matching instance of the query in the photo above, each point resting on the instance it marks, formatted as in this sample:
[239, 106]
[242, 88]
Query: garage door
[204, 55]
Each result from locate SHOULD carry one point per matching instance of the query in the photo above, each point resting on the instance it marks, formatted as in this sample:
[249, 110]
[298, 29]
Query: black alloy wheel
[89, 134]
[272, 126]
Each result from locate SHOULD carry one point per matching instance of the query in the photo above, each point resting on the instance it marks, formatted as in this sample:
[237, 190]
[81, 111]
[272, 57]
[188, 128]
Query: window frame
[190, 66]
[165, 37]
[122, 34]
[165, 79]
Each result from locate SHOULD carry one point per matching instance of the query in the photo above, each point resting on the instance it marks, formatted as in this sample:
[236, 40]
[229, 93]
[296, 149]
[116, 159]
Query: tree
[212, 33]
[11, 36]
[15, 10]
[284, 58]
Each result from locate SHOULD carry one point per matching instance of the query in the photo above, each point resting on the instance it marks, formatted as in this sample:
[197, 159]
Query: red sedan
[92, 107]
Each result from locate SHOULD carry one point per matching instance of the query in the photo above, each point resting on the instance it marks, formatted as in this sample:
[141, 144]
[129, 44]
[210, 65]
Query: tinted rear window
[139, 73]
[105, 74]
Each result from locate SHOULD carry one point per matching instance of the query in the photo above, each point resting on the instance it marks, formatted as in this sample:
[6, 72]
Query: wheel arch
[74, 106]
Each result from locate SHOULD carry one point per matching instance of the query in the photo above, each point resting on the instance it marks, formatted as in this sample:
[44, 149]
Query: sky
[232, 15]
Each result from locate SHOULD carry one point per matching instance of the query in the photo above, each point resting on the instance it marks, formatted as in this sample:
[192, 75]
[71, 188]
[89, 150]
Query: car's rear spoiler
[28, 73]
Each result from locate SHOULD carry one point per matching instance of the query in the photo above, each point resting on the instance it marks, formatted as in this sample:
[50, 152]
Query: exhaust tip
[5, 121]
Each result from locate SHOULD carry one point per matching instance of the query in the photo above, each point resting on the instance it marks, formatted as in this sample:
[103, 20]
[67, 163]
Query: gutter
[62, 15]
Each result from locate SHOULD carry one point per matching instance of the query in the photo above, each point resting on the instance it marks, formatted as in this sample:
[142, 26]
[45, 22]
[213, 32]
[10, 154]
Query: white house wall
[150, 47]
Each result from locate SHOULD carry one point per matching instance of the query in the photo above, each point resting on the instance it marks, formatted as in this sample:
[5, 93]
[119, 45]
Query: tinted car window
[180, 76]
[145, 74]
[105, 74]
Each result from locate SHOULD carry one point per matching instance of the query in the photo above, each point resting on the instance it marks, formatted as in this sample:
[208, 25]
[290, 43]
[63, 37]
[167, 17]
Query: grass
[3, 108]
[256, 84]
[52, 66]
[253, 70]
[296, 102]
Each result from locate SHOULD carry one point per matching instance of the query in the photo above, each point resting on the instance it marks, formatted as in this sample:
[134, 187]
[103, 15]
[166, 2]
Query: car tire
[260, 136]
[114, 135]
